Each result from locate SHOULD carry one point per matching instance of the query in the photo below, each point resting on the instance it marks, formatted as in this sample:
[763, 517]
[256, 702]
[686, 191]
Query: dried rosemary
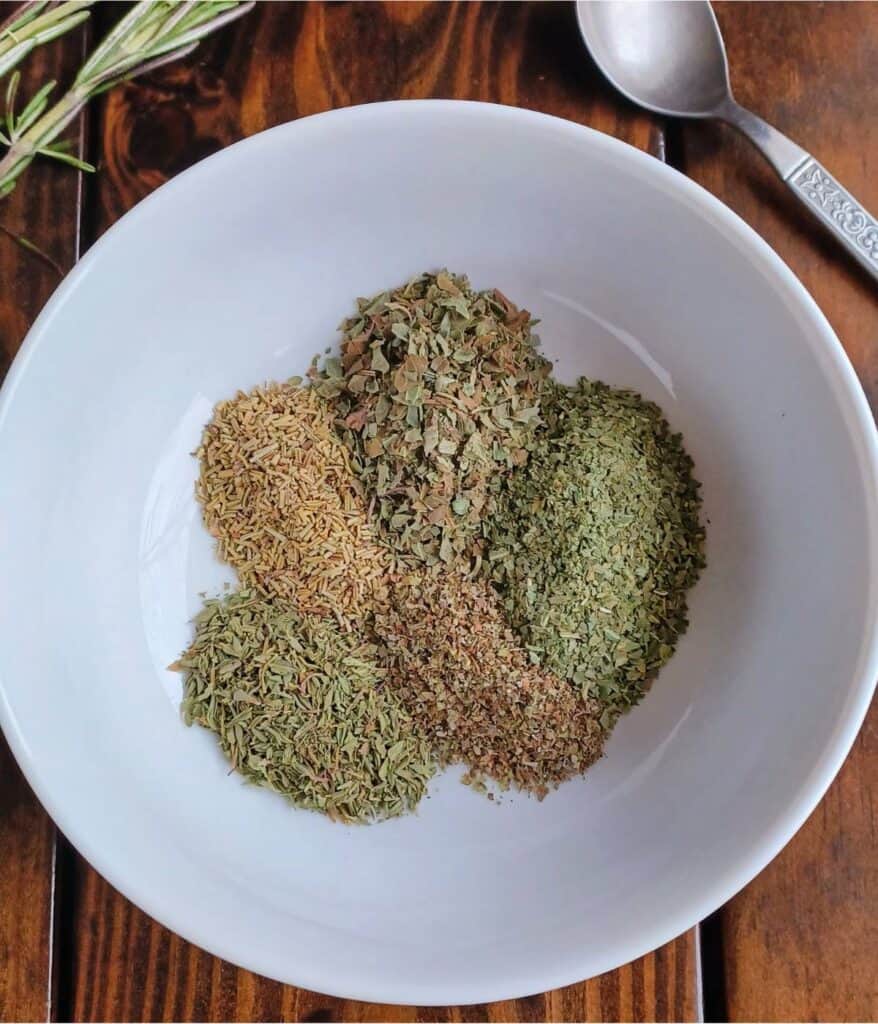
[276, 490]
[437, 396]
[298, 707]
[596, 541]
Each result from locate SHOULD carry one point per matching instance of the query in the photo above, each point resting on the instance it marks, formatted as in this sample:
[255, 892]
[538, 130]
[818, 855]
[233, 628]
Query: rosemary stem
[44, 130]
[152, 33]
[35, 23]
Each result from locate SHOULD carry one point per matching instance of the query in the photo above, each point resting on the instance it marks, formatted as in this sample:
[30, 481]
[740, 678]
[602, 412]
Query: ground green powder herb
[595, 542]
[437, 396]
[298, 707]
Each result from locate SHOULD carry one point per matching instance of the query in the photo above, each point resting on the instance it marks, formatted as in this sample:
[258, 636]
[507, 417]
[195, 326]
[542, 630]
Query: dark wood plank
[801, 942]
[27, 838]
[286, 61]
[45, 209]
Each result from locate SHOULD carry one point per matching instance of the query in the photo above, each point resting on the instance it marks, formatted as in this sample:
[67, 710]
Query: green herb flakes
[298, 707]
[437, 396]
[595, 542]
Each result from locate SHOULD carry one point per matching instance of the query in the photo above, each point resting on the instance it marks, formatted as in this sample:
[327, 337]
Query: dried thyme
[596, 541]
[463, 677]
[298, 707]
[437, 396]
[276, 490]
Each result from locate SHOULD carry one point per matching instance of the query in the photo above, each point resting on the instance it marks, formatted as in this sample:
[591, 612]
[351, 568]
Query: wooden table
[801, 941]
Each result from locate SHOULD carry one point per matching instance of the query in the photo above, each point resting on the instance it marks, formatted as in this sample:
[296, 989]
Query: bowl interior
[239, 271]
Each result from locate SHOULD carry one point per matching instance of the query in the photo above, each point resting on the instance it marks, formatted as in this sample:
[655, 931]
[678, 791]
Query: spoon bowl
[668, 57]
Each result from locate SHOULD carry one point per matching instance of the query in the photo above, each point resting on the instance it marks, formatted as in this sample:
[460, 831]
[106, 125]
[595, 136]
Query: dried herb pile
[445, 557]
[277, 493]
[437, 396]
[596, 542]
[464, 678]
[298, 706]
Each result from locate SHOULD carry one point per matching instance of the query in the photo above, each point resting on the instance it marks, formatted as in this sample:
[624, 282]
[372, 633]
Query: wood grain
[129, 968]
[286, 61]
[801, 942]
[45, 209]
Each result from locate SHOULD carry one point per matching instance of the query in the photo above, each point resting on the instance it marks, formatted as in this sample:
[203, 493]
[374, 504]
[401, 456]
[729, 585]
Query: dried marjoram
[298, 707]
[276, 490]
[597, 540]
[437, 396]
[460, 672]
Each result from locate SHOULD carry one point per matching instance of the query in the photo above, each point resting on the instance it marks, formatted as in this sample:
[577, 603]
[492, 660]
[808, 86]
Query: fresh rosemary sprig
[16, 127]
[152, 33]
[34, 23]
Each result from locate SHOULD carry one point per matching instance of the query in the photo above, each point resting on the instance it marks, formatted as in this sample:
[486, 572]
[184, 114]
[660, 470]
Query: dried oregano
[468, 683]
[298, 707]
[596, 541]
[437, 396]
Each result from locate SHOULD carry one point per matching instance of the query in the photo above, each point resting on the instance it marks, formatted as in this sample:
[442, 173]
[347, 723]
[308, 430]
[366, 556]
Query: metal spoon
[668, 56]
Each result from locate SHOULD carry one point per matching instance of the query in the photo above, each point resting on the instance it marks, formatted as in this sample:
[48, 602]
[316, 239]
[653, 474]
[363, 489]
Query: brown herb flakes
[437, 396]
[277, 492]
[298, 707]
[463, 677]
[596, 542]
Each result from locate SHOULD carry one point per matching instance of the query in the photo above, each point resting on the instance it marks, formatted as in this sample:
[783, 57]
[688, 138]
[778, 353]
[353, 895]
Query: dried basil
[596, 541]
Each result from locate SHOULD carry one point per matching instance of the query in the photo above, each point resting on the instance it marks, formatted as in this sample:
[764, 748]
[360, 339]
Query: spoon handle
[838, 211]
[815, 187]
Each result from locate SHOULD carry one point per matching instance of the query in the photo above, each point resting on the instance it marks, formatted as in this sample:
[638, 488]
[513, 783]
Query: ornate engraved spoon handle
[837, 210]
[827, 200]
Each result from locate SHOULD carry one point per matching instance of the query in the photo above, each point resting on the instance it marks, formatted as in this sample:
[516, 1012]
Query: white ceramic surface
[239, 270]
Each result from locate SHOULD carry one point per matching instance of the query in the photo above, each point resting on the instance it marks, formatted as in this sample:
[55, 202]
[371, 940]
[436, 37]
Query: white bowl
[238, 271]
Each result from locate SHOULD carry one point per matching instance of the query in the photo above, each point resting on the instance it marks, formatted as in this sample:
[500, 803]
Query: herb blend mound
[437, 396]
[517, 552]
[298, 707]
[276, 490]
[596, 541]
[463, 677]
